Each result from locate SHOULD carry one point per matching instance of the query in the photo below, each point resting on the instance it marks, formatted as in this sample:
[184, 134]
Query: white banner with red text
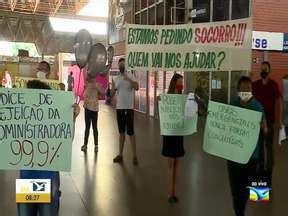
[217, 46]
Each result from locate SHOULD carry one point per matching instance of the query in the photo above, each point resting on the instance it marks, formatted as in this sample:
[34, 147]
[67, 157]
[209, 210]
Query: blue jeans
[43, 209]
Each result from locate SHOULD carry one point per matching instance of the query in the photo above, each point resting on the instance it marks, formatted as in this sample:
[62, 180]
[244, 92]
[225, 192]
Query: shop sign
[285, 42]
[267, 40]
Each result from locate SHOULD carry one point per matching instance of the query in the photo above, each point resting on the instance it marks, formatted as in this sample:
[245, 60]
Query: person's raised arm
[133, 83]
[107, 68]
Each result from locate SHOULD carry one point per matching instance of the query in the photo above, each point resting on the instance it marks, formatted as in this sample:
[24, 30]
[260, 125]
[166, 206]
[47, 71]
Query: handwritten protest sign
[190, 47]
[21, 82]
[35, 129]
[231, 132]
[172, 120]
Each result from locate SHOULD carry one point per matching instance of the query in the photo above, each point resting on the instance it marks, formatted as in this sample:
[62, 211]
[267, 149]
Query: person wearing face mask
[266, 91]
[240, 174]
[125, 85]
[7, 81]
[43, 70]
[173, 147]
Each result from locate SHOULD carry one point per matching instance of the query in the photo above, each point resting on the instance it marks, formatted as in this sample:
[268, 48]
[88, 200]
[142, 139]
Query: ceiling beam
[58, 4]
[12, 33]
[36, 5]
[12, 4]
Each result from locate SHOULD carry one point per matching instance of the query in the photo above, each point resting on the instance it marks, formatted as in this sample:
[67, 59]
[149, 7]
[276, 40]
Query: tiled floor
[96, 186]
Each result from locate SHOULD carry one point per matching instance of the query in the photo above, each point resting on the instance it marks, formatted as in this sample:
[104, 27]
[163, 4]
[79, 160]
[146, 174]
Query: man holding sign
[24, 140]
[43, 72]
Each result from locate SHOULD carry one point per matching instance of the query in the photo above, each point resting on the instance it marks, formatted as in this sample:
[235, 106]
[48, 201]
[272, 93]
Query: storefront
[219, 86]
[271, 18]
[272, 47]
[151, 83]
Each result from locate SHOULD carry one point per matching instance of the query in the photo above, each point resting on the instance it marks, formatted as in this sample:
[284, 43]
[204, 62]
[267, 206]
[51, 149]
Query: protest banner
[231, 132]
[36, 129]
[172, 119]
[21, 82]
[217, 46]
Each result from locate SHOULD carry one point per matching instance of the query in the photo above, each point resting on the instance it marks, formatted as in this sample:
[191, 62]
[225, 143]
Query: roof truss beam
[58, 4]
[12, 4]
[36, 5]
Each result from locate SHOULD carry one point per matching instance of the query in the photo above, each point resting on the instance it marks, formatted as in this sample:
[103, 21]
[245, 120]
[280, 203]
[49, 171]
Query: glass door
[219, 86]
[200, 86]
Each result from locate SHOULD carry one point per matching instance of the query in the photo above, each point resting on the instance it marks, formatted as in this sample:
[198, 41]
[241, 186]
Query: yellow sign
[33, 190]
[21, 82]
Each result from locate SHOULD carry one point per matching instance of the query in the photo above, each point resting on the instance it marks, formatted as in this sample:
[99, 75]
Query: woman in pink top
[91, 106]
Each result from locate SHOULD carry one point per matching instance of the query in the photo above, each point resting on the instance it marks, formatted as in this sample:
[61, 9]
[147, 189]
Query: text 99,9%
[25, 151]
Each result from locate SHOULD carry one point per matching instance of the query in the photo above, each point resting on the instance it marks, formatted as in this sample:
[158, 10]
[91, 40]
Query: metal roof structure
[42, 7]
[28, 21]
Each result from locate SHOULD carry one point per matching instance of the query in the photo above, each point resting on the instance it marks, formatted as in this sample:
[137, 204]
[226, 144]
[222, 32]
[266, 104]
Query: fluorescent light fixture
[95, 8]
[74, 25]
[8, 48]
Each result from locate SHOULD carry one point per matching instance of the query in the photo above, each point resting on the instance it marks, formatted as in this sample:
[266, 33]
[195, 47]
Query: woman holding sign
[240, 174]
[173, 145]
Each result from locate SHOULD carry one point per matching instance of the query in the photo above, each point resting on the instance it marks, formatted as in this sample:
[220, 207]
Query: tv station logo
[259, 192]
[33, 190]
[39, 186]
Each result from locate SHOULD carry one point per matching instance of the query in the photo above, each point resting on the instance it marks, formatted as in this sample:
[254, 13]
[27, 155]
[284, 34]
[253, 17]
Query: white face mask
[245, 96]
[41, 75]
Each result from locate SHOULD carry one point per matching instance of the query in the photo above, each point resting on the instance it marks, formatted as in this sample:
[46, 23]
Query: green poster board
[231, 132]
[36, 129]
[172, 119]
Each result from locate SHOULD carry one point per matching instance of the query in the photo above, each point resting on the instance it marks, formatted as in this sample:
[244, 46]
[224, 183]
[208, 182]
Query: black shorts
[125, 119]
